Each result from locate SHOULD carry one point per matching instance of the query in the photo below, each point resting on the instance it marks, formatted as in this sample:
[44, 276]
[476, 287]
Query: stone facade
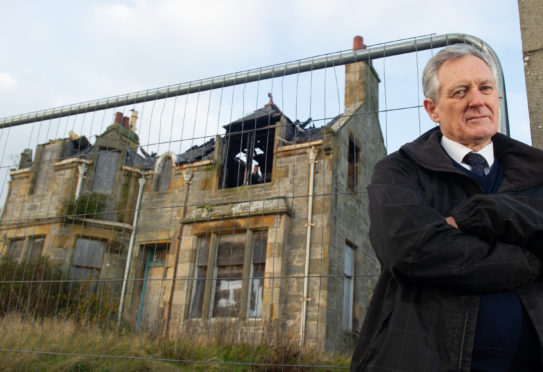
[263, 230]
[531, 13]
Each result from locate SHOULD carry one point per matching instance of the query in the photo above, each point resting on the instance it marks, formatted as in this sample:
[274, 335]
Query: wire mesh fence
[224, 228]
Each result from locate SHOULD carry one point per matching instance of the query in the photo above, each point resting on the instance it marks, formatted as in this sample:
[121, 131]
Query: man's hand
[451, 221]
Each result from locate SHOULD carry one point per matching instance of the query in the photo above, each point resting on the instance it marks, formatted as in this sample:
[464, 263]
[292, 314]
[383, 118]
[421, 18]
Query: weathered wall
[531, 14]
[350, 221]
[44, 211]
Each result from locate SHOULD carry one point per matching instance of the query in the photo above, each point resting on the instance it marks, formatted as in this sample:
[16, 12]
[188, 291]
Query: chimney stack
[360, 80]
[126, 121]
[358, 43]
[133, 119]
[118, 118]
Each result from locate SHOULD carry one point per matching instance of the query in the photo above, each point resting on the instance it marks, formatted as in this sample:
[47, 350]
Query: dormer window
[248, 148]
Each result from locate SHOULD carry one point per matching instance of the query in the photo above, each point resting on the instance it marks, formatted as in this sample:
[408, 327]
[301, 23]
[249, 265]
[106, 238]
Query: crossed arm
[493, 247]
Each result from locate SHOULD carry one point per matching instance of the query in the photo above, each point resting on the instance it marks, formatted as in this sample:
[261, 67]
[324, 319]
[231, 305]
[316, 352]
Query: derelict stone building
[263, 229]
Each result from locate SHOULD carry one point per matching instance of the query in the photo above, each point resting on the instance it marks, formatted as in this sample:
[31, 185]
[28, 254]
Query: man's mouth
[479, 117]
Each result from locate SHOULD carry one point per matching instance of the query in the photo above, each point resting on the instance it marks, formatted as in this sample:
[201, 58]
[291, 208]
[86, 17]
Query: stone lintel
[69, 163]
[298, 146]
[127, 169]
[19, 173]
[204, 213]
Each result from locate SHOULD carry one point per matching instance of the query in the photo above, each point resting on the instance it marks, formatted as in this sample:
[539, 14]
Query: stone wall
[531, 14]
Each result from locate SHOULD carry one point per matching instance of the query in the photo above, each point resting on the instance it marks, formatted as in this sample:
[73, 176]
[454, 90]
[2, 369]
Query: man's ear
[430, 108]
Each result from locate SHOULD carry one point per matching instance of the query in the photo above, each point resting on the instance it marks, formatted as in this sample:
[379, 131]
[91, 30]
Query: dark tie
[477, 163]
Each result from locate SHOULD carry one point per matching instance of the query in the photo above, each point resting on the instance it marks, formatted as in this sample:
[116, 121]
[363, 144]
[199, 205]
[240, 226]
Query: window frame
[95, 270]
[353, 166]
[348, 293]
[207, 293]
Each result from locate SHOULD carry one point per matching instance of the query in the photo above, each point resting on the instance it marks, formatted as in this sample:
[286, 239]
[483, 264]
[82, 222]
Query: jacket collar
[522, 164]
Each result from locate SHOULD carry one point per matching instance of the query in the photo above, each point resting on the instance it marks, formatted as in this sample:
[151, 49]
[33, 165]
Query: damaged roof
[198, 153]
[296, 132]
[267, 115]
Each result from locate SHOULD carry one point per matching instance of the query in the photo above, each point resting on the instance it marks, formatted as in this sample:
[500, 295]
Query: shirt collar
[457, 151]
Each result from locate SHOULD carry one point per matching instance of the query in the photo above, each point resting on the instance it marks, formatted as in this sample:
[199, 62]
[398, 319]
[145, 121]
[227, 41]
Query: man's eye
[487, 88]
[459, 92]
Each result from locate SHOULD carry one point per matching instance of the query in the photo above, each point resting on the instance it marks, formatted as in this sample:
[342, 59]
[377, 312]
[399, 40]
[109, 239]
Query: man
[459, 238]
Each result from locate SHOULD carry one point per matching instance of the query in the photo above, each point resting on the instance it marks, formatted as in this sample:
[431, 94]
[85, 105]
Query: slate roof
[296, 132]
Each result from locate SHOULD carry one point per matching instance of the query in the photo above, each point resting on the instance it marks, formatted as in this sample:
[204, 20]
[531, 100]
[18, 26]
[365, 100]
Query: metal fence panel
[204, 225]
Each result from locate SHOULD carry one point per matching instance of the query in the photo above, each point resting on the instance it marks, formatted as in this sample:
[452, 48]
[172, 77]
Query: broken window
[225, 283]
[248, 153]
[353, 170]
[105, 171]
[16, 248]
[200, 277]
[163, 177]
[348, 286]
[228, 283]
[260, 241]
[87, 261]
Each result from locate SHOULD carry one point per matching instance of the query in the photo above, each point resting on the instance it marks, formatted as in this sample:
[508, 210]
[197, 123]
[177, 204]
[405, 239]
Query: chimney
[118, 118]
[358, 43]
[133, 119]
[126, 121]
[361, 81]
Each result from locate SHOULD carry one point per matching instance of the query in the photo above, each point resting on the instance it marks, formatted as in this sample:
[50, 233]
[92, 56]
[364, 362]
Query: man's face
[468, 105]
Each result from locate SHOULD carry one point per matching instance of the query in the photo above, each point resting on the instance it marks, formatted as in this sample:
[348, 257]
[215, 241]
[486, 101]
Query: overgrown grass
[53, 344]
[51, 323]
[39, 288]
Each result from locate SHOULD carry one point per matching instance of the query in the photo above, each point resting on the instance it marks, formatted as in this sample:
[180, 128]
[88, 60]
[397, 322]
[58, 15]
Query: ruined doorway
[152, 290]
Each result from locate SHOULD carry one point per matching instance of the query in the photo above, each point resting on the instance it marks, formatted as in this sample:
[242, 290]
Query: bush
[88, 204]
[39, 288]
[34, 287]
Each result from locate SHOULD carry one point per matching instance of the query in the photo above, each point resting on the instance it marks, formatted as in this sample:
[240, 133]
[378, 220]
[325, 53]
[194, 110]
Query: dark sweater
[505, 338]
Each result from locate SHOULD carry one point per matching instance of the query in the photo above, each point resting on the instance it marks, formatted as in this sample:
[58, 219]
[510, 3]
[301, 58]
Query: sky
[55, 53]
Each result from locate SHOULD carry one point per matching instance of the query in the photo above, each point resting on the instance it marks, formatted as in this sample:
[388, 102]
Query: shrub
[88, 204]
[39, 288]
[33, 286]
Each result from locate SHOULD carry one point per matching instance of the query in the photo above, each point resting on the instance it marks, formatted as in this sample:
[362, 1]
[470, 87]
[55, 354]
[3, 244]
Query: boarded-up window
[16, 248]
[104, 173]
[200, 277]
[164, 176]
[87, 261]
[35, 247]
[353, 167]
[227, 294]
[348, 287]
[260, 240]
[49, 154]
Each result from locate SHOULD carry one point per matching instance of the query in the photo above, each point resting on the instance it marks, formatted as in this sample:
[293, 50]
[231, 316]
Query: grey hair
[430, 81]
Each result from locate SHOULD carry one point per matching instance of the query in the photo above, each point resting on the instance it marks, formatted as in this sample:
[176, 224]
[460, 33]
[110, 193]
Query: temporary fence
[217, 224]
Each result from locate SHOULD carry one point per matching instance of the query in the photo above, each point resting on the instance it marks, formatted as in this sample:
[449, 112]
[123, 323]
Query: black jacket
[423, 312]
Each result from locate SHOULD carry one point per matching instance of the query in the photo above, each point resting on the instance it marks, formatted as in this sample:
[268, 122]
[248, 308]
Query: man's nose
[476, 98]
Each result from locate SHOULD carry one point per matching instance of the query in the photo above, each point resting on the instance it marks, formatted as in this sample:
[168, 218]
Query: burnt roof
[265, 116]
[198, 152]
[308, 135]
[133, 159]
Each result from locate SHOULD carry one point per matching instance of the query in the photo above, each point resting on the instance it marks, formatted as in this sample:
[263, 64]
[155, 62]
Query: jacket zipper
[467, 323]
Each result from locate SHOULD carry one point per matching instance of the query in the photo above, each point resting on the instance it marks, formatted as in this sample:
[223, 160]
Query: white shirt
[457, 151]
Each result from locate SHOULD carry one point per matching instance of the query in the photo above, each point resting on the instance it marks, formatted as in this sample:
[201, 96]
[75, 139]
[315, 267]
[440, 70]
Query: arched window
[163, 172]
